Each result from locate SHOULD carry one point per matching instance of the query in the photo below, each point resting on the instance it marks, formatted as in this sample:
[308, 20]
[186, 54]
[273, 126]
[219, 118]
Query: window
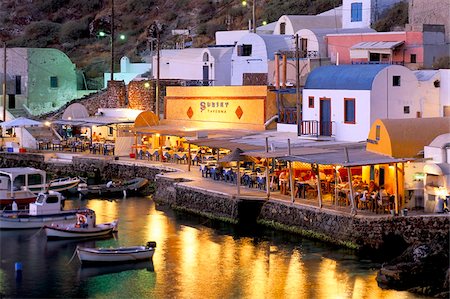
[283, 28]
[303, 48]
[356, 12]
[413, 58]
[18, 85]
[310, 102]
[244, 50]
[110, 131]
[53, 82]
[406, 109]
[349, 111]
[395, 80]
[377, 132]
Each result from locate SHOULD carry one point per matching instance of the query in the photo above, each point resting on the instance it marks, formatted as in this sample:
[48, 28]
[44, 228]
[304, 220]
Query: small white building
[253, 52]
[128, 71]
[207, 66]
[343, 101]
[290, 24]
[363, 13]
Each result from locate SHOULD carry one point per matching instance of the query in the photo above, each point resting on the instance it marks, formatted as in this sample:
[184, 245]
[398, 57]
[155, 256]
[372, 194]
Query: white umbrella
[20, 122]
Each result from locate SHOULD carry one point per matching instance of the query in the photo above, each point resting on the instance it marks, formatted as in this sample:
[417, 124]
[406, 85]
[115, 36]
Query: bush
[397, 15]
[212, 28]
[140, 7]
[74, 30]
[442, 63]
[39, 35]
[49, 6]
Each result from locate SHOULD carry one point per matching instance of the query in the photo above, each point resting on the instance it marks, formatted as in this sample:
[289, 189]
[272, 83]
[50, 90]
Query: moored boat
[44, 211]
[110, 188]
[116, 255]
[59, 185]
[14, 185]
[85, 227]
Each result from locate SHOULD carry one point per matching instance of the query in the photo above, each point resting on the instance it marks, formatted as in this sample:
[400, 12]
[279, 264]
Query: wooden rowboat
[116, 255]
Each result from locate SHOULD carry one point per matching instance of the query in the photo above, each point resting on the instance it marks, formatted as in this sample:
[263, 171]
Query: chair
[384, 204]
[148, 155]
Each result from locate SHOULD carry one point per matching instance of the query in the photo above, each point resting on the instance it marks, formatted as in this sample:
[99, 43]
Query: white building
[128, 71]
[433, 92]
[253, 52]
[343, 101]
[290, 24]
[208, 66]
[363, 13]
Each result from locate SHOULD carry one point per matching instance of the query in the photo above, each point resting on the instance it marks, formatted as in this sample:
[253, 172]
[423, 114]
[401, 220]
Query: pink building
[412, 49]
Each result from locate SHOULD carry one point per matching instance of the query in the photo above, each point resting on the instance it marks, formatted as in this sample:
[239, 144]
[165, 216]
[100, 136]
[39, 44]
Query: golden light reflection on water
[295, 276]
[105, 211]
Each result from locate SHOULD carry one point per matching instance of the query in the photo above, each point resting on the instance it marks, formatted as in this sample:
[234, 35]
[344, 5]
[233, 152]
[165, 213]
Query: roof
[345, 77]
[275, 43]
[311, 21]
[93, 121]
[356, 157]
[425, 75]
[16, 171]
[441, 141]
[376, 45]
[409, 136]
[284, 152]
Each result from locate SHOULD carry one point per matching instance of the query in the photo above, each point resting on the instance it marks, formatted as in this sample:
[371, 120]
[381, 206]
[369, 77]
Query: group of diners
[79, 144]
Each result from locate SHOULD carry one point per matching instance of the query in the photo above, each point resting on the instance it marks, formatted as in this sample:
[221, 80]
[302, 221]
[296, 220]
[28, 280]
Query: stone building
[429, 12]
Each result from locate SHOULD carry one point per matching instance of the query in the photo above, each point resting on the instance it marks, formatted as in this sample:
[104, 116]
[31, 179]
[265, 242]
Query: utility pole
[4, 81]
[297, 84]
[112, 40]
[254, 16]
[157, 71]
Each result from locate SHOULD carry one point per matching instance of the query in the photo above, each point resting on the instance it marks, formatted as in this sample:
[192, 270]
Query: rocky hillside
[73, 26]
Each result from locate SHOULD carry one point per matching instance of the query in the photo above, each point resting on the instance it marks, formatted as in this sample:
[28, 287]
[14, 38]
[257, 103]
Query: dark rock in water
[422, 268]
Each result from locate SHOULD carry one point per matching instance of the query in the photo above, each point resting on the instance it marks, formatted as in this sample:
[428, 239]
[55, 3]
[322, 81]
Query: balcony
[315, 128]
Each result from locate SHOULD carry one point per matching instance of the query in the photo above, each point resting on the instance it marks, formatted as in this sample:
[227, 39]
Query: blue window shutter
[356, 12]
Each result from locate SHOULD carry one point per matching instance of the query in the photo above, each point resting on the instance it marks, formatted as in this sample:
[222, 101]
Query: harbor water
[195, 258]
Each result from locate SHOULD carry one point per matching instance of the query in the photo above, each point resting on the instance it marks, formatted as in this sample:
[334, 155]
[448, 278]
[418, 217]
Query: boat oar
[73, 255]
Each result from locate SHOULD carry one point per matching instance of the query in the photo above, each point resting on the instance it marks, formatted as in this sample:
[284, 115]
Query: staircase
[18, 112]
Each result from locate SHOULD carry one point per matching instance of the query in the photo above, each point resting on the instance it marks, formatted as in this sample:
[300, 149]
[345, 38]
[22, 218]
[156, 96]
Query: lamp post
[112, 40]
[4, 81]
[244, 3]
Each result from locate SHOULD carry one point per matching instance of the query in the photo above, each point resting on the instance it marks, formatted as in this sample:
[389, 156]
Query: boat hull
[7, 222]
[71, 232]
[135, 254]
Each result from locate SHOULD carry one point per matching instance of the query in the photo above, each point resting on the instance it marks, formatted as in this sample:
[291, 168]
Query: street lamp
[244, 3]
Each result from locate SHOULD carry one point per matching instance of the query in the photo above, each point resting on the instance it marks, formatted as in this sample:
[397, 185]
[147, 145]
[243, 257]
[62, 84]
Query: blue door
[325, 117]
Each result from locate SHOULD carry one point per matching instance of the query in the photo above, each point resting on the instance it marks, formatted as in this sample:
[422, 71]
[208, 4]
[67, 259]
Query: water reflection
[194, 257]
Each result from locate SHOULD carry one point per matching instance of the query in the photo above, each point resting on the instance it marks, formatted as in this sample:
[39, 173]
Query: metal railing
[316, 128]
[199, 83]
[287, 115]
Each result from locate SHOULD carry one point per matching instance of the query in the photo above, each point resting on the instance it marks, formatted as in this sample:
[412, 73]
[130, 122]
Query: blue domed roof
[345, 77]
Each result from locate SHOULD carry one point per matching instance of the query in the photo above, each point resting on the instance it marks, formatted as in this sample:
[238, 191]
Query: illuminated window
[377, 132]
[349, 111]
[310, 102]
[356, 12]
[53, 82]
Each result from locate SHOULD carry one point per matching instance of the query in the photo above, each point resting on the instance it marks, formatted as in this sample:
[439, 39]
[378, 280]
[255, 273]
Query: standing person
[282, 180]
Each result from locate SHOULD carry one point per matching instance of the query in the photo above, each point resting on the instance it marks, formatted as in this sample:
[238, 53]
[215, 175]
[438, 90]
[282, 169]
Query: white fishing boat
[85, 227]
[116, 255]
[59, 185]
[46, 209]
[14, 186]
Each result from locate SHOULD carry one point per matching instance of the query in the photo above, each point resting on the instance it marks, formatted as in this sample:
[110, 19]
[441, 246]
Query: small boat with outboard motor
[84, 227]
[116, 255]
[46, 209]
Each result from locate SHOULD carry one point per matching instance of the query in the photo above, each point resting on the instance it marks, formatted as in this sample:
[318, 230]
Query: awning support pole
[350, 185]
[189, 156]
[267, 170]
[291, 175]
[319, 190]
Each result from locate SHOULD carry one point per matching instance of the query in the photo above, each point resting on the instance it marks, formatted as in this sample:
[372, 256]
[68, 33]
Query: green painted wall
[43, 64]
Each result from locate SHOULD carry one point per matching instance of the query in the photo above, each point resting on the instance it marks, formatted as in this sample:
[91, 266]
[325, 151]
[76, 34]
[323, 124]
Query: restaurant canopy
[20, 122]
[356, 157]
[93, 121]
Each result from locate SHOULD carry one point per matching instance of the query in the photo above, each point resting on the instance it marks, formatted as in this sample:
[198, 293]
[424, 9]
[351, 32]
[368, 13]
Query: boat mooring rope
[73, 255]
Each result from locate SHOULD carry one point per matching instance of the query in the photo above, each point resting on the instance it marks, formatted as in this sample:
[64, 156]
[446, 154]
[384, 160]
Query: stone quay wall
[357, 232]
[208, 203]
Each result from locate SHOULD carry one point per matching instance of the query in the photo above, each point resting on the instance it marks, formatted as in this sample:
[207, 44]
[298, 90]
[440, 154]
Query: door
[205, 75]
[325, 117]
[12, 101]
[303, 48]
